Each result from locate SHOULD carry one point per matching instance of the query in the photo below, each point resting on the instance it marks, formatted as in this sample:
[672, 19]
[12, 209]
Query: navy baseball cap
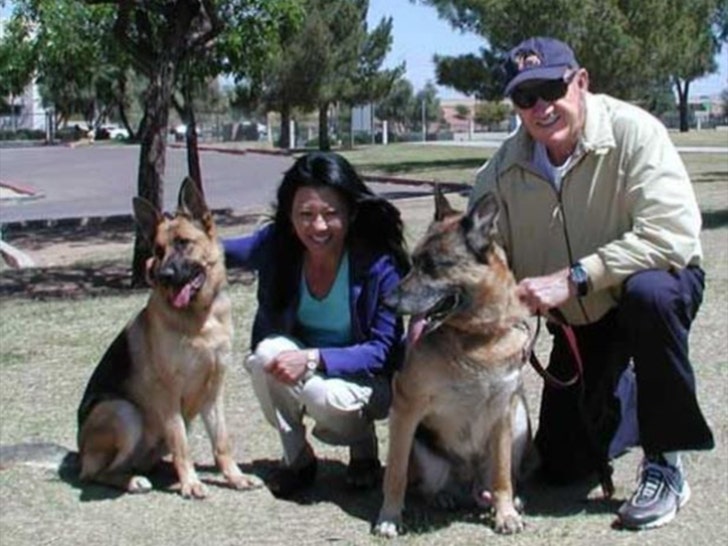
[538, 59]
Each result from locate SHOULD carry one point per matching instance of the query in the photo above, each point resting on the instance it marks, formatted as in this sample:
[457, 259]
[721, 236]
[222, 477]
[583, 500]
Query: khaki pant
[340, 408]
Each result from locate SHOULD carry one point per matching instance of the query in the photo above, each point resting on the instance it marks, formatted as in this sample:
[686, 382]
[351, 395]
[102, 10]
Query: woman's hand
[543, 293]
[288, 367]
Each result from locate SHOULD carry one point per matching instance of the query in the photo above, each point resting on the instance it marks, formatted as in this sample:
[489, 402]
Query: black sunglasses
[548, 90]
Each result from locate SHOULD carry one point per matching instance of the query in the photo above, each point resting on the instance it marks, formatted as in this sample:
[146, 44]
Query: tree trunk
[121, 82]
[683, 107]
[152, 157]
[193, 153]
[285, 137]
[323, 129]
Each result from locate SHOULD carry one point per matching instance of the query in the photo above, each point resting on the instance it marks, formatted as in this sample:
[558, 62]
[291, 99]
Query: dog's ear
[192, 203]
[480, 224]
[147, 218]
[190, 200]
[443, 209]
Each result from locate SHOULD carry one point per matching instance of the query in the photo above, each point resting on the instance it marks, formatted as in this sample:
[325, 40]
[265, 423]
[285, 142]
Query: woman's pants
[342, 409]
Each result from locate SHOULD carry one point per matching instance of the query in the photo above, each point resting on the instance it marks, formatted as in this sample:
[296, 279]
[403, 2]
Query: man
[599, 220]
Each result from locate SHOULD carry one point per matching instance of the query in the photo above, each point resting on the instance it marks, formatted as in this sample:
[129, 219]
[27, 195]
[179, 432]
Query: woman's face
[320, 218]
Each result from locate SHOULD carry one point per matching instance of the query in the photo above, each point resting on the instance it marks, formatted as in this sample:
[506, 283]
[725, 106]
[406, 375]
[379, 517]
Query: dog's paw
[139, 484]
[387, 527]
[508, 523]
[193, 490]
[245, 482]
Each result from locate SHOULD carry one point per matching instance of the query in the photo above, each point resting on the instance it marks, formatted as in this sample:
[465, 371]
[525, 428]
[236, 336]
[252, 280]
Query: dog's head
[186, 263]
[459, 271]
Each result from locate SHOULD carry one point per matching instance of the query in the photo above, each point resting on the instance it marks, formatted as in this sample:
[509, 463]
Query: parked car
[180, 131]
[112, 132]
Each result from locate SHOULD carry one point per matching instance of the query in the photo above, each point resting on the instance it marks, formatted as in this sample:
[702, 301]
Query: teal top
[326, 322]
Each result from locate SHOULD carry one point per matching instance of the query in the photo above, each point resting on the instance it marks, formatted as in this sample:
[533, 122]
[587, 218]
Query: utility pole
[424, 122]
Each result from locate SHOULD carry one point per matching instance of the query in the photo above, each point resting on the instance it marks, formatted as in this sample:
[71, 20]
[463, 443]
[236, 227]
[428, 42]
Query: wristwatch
[312, 360]
[579, 278]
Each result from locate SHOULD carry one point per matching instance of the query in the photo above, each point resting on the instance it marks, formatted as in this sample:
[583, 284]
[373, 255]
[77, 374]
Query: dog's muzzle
[428, 320]
[182, 278]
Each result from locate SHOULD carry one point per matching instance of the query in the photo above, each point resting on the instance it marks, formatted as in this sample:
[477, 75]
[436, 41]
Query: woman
[323, 343]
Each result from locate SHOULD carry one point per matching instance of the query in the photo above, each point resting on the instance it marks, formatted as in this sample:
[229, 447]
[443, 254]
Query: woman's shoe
[363, 473]
[285, 481]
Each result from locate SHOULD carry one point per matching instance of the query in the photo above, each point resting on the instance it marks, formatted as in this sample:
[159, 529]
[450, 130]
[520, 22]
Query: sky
[418, 34]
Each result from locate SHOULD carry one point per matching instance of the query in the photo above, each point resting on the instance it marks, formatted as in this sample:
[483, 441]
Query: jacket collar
[597, 137]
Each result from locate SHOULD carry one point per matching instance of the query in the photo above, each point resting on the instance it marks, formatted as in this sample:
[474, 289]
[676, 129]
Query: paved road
[100, 181]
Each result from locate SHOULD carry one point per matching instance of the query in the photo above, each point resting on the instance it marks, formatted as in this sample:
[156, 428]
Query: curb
[17, 188]
[233, 151]
[115, 220]
[447, 186]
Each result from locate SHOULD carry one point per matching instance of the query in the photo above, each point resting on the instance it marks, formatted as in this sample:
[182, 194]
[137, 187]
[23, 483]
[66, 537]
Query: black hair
[375, 222]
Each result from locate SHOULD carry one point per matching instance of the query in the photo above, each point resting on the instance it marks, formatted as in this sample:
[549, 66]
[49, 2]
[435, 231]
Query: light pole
[424, 127]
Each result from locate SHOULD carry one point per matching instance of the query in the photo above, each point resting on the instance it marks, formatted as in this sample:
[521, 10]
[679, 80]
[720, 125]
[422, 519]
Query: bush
[22, 134]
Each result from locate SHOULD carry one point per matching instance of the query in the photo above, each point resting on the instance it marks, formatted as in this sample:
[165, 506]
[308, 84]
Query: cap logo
[527, 59]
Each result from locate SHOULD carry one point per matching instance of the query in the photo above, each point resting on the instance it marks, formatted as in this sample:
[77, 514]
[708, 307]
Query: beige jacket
[626, 204]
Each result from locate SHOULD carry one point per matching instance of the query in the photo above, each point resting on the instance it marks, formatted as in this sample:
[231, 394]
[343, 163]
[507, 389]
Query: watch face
[578, 275]
[312, 361]
[580, 278]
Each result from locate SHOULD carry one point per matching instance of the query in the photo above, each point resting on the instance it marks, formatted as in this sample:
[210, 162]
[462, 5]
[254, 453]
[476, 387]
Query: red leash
[573, 345]
[605, 469]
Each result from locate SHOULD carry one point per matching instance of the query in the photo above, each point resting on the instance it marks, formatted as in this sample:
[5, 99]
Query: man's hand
[540, 294]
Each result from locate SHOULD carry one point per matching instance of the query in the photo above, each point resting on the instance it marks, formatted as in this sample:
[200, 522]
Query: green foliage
[66, 45]
[470, 74]
[397, 106]
[17, 57]
[427, 97]
[627, 45]
[22, 134]
[330, 57]
[491, 112]
[462, 111]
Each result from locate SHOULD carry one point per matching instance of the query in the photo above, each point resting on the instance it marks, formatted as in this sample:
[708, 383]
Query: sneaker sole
[667, 518]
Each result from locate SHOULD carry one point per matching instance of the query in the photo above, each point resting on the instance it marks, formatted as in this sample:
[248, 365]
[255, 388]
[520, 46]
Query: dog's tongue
[185, 294]
[182, 298]
[416, 327]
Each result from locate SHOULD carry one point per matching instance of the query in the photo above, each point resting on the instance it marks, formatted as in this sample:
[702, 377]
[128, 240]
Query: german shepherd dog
[459, 420]
[167, 365]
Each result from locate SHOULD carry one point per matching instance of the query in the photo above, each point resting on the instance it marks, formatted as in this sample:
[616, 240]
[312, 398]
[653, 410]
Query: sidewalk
[12, 192]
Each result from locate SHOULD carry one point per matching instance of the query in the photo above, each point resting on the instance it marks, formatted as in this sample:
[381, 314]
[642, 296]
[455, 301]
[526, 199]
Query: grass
[420, 161]
[49, 346]
[444, 163]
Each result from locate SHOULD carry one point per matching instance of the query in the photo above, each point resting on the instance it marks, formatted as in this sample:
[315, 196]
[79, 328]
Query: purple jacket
[377, 331]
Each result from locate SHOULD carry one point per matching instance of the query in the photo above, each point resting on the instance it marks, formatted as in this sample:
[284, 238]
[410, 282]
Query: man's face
[555, 122]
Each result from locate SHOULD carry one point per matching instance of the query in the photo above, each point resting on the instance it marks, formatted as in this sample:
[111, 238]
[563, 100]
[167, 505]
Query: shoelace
[653, 475]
